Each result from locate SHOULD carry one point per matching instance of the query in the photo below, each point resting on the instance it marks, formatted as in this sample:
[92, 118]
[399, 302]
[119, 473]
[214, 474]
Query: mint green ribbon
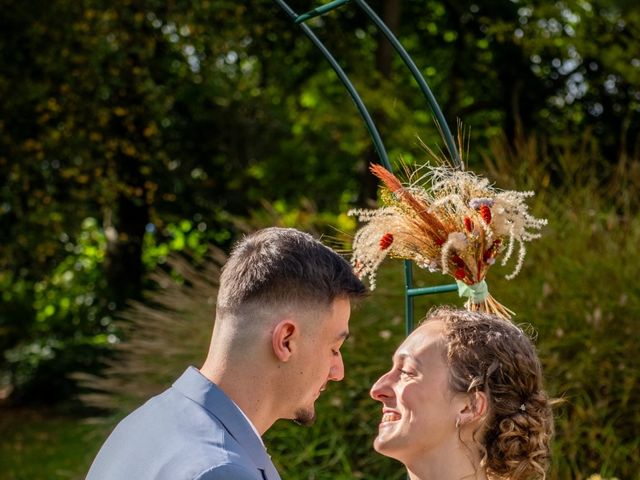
[476, 292]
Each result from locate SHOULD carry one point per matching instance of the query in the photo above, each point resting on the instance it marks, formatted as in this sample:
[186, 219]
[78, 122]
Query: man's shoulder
[178, 434]
[172, 416]
[200, 452]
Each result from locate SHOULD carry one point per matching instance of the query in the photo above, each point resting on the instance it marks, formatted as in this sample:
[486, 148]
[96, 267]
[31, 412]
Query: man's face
[320, 359]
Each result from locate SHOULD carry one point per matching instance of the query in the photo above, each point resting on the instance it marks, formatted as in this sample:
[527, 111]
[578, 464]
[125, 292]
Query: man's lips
[321, 391]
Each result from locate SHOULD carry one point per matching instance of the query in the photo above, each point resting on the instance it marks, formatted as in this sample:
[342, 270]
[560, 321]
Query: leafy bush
[70, 324]
[68, 316]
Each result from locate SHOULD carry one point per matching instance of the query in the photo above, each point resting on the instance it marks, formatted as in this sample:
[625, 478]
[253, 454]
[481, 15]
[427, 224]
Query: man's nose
[337, 369]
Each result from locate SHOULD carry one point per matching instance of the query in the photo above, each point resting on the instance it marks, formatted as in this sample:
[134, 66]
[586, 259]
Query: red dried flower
[468, 224]
[458, 262]
[485, 213]
[459, 274]
[386, 241]
[492, 251]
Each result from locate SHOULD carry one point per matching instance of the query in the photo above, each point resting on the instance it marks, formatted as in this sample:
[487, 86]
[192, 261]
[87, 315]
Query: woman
[464, 400]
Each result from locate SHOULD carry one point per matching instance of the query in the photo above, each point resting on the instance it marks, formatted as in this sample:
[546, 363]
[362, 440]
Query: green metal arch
[410, 291]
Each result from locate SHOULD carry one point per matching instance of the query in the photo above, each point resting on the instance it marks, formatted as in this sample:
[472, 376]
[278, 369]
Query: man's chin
[305, 417]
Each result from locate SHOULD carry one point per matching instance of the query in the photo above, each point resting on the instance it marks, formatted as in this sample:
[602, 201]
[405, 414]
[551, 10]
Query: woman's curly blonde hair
[488, 354]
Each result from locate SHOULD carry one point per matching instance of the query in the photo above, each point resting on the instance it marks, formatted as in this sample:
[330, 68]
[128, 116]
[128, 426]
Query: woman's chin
[382, 446]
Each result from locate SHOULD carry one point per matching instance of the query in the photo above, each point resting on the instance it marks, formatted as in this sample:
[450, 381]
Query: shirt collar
[255, 430]
[195, 386]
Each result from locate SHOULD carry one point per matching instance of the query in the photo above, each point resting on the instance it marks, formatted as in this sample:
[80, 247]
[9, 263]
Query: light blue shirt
[192, 431]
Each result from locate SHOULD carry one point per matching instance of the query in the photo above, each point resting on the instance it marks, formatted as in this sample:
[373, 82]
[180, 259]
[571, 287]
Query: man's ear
[284, 338]
[474, 408]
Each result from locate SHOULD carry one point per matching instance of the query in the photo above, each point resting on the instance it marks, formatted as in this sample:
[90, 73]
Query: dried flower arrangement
[446, 220]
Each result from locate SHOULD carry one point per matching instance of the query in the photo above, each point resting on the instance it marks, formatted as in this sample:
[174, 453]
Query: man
[282, 315]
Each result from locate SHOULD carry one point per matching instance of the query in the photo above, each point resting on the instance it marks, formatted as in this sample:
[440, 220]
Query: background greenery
[131, 130]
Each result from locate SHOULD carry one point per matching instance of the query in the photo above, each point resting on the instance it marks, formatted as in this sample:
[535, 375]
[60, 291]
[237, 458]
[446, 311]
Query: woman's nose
[381, 389]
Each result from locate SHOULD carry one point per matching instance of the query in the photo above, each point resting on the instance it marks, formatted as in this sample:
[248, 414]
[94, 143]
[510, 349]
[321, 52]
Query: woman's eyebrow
[398, 357]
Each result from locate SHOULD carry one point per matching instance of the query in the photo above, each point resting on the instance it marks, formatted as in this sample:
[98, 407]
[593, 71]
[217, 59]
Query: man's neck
[248, 388]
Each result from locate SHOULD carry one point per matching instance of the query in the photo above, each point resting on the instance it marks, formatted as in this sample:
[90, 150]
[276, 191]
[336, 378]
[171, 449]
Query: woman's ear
[474, 408]
[283, 339]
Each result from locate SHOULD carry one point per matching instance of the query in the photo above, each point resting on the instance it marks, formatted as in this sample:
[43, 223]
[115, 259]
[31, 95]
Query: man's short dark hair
[283, 266]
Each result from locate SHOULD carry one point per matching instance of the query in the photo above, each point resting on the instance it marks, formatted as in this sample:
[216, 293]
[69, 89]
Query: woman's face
[419, 410]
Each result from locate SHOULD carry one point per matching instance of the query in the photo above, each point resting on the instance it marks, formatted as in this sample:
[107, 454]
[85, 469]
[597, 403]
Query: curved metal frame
[410, 291]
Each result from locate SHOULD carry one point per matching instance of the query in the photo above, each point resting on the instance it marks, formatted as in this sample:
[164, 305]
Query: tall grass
[163, 334]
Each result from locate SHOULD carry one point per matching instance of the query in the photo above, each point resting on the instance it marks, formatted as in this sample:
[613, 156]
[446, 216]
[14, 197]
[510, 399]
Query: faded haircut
[283, 267]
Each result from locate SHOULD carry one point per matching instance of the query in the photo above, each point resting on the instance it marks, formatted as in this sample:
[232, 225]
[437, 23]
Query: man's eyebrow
[343, 335]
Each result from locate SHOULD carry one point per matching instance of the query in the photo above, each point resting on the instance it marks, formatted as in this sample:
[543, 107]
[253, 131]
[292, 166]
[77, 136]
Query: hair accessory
[523, 407]
[446, 220]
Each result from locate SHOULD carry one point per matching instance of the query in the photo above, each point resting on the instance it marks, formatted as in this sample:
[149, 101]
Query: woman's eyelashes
[406, 372]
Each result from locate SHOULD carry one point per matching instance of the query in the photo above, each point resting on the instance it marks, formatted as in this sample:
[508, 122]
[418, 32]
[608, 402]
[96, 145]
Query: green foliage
[585, 311]
[192, 108]
[74, 284]
[72, 324]
[71, 320]
[176, 237]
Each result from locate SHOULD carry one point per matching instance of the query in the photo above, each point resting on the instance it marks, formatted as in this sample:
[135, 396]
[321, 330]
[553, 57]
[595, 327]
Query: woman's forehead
[425, 340]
